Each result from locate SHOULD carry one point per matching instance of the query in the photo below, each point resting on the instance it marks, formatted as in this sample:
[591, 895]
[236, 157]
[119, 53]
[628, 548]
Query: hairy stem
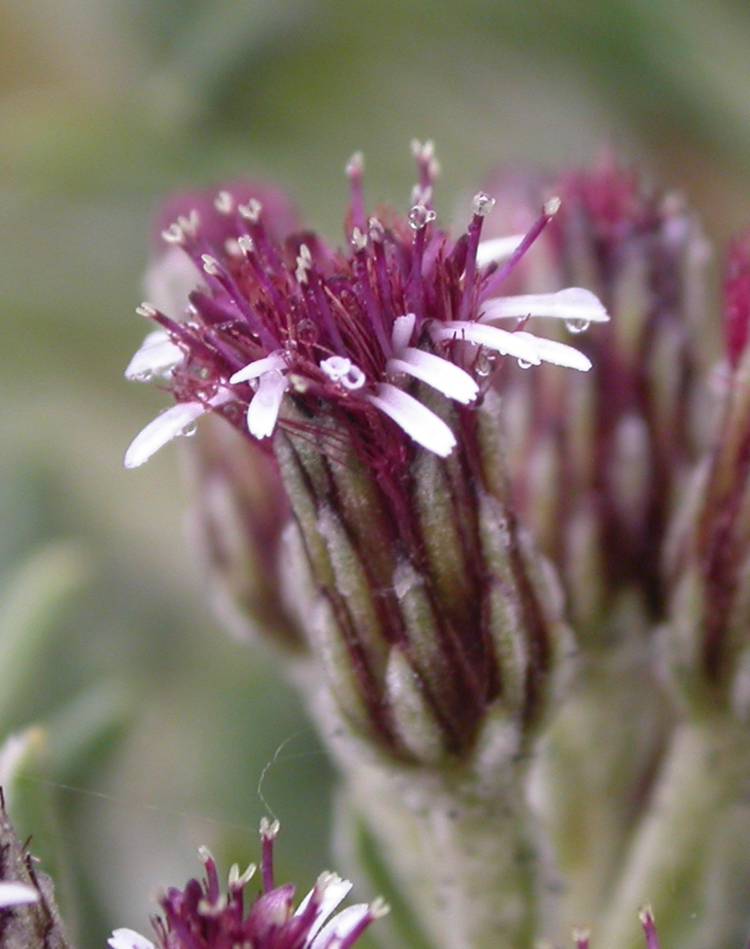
[701, 776]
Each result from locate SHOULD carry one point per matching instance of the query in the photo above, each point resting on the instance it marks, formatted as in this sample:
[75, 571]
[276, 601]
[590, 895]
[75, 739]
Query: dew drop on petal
[354, 378]
[524, 364]
[485, 363]
[577, 326]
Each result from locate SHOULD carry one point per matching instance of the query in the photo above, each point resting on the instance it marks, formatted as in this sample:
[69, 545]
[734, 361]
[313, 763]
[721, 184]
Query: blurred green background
[158, 725]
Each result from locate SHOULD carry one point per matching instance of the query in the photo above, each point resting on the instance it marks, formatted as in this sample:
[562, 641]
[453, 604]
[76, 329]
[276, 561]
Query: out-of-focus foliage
[157, 726]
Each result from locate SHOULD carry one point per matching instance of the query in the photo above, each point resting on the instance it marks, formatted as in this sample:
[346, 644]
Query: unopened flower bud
[597, 458]
[239, 510]
[28, 913]
[709, 627]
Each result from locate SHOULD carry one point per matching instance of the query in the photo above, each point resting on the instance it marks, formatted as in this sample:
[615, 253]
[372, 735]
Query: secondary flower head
[597, 460]
[710, 551]
[201, 916]
[342, 333]
[366, 374]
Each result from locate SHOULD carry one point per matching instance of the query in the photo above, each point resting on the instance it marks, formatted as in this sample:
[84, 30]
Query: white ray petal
[481, 334]
[498, 249]
[439, 373]
[156, 356]
[255, 369]
[341, 926]
[573, 303]
[162, 429]
[169, 280]
[13, 893]
[263, 410]
[333, 891]
[550, 350]
[403, 326]
[170, 424]
[128, 939]
[415, 419]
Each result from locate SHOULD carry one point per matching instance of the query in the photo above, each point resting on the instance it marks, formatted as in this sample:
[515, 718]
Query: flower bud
[709, 630]
[28, 913]
[238, 512]
[597, 458]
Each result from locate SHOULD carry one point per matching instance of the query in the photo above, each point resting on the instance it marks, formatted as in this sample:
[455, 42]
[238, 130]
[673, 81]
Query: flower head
[201, 916]
[343, 334]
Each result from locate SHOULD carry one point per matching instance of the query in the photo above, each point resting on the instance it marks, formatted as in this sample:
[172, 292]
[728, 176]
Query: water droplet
[189, 430]
[307, 332]
[198, 371]
[524, 364]
[482, 204]
[577, 326]
[485, 363]
[420, 216]
[354, 379]
[358, 240]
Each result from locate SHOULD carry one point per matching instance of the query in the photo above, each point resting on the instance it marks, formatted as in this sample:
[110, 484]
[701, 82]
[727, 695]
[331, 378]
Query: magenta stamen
[384, 286]
[228, 284]
[267, 841]
[265, 282]
[414, 289]
[495, 279]
[371, 305]
[329, 323]
[474, 233]
[649, 928]
[355, 171]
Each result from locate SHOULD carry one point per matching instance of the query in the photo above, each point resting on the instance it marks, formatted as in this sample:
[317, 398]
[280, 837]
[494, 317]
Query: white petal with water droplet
[263, 410]
[573, 303]
[175, 421]
[255, 369]
[498, 249]
[415, 419]
[156, 356]
[403, 327]
[161, 430]
[13, 893]
[550, 350]
[340, 926]
[439, 373]
[481, 334]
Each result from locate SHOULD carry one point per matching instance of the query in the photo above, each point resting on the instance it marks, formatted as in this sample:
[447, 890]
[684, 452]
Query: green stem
[591, 772]
[700, 777]
[463, 861]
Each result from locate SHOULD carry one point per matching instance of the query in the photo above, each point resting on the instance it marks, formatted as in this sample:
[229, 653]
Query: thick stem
[593, 771]
[465, 864]
[664, 866]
